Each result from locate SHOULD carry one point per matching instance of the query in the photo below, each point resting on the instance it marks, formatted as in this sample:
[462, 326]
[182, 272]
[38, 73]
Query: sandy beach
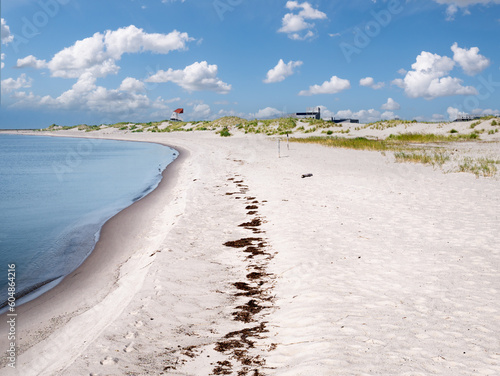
[236, 265]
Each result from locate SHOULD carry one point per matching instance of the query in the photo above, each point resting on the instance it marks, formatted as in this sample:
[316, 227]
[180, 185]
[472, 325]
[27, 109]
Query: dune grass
[384, 124]
[393, 142]
[225, 132]
[423, 138]
[480, 166]
[437, 158]
[405, 148]
[358, 143]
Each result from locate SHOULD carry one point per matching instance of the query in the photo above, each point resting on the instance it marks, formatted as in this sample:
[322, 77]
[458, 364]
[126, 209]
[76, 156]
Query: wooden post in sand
[279, 148]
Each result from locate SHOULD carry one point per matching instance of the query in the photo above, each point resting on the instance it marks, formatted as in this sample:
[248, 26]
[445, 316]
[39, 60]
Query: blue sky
[73, 61]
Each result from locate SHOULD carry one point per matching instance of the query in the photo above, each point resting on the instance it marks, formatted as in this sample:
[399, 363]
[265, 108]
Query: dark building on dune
[311, 113]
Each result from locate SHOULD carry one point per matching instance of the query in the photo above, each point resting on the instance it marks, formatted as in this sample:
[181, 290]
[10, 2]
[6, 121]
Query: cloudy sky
[84, 61]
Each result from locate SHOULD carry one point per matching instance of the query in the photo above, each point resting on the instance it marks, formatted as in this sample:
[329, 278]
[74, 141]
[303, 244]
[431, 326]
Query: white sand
[370, 268]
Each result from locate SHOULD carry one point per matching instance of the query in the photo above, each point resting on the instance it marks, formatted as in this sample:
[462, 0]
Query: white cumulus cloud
[199, 76]
[429, 78]
[98, 54]
[388, 115]
[296, 25]
[3, 57]
[453, 113]
[201, 111]
[266, 113]
[470, 60]
[370, 82]
[132, 84]
[6, 36]
[364, 116]
[86, 95]
[391, 105]
[31, 62]
[455, 5]
[133, 40]
[9, 84]
[281, 71]
[293, 23]
[335, 85]
[485, 112]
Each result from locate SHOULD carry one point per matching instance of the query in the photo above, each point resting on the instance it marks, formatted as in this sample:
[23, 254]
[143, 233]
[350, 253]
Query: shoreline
[119, 225]
[25, 293]
[36, 291]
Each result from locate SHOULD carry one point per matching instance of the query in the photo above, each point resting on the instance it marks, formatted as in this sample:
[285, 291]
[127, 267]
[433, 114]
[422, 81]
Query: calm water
[55, 195]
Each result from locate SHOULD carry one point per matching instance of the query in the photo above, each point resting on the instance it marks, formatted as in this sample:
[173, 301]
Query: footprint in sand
[129, 348]
[108, 361]
[130, 335]
[158, 287]
[157, 283]
[138, 324]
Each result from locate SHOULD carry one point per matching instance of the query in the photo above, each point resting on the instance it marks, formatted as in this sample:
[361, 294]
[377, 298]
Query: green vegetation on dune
[480, 166]
[270, 126]
[488, 117]
[438, 158]
[393, 142]
[280, 126]
[226, 121]
[55, 127]
[88, 128]
[405, 148]
[358, 143]
[119, 125]
[224, 132]
[320, 123]
[384, 124]
[423, 138]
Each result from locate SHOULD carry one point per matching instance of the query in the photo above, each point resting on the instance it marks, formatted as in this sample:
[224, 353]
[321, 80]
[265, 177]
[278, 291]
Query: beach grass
[407, 147]
[225, 132]
[479, 166]
[384, 124]
[423, 138]
[437, 158]
[358, 143]
[393, 142]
